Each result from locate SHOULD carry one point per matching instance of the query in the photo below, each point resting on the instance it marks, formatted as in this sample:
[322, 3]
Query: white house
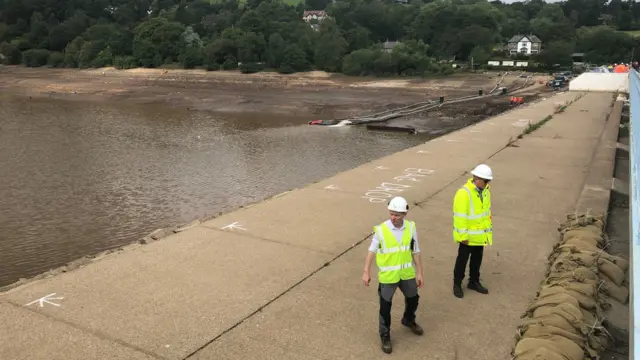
[524, 44]
[314, 16]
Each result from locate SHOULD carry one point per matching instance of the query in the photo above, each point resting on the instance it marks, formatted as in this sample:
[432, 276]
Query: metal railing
[634, 211]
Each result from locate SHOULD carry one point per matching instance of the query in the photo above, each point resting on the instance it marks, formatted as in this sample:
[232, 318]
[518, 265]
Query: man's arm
[417, 261]
[373, 248]
[368, 261]
[460, 219]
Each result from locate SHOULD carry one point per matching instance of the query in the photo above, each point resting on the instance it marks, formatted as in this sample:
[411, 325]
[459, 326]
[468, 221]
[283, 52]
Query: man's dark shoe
[386, 343]
[415, 328]
[478, 287]
[457, 291]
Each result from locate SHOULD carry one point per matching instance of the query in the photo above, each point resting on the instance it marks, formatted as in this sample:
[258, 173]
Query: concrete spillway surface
[281, 279]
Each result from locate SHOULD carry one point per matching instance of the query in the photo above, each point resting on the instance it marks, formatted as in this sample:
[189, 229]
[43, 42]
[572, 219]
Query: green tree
[480, 56]
[330, 48]
[556, 53]
[276, 51]
[294, 60]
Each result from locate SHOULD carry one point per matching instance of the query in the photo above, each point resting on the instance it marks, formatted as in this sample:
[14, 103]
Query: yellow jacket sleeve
[460, 215]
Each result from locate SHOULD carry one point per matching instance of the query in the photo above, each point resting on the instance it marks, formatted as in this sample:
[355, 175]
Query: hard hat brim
[484, 177]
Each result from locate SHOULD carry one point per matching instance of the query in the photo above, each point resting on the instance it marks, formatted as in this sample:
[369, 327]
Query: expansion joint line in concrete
[95, 333]
[270, 240]
[277, 297]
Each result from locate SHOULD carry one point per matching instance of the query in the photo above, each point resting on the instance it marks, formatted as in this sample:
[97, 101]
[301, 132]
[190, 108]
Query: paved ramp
[281, 279]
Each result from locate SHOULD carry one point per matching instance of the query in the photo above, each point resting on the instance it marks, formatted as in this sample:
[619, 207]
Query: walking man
[472, 228]
[395, 247]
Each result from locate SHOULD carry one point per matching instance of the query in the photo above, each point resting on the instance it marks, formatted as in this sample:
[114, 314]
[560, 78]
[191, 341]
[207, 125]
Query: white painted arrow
[331, 187]
[46, 299]
[424, 152]
[382, 168]
[235, 225]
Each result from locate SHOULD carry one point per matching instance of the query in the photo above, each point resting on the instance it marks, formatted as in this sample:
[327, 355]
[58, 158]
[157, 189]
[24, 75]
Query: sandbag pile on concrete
[564, 322]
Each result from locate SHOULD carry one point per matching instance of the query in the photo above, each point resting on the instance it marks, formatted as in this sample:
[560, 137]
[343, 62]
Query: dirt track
[309, 95]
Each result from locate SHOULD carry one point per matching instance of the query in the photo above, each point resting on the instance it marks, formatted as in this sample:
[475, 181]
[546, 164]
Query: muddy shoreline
[307, 95]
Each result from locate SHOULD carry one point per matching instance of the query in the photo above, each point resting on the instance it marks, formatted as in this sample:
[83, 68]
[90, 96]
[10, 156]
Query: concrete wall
[600, 82]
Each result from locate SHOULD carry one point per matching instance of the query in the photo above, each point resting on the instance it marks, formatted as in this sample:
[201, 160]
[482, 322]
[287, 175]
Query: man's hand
[419, 280]
[366, 278]
[466, 242]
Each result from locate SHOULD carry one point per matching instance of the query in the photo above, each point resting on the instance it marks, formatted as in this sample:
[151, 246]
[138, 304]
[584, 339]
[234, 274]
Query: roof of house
[517, 38]
[314, 12]
[389, 44]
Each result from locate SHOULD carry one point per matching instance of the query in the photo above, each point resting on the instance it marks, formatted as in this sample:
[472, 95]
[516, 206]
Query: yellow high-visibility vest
[394, 260]
[472, 216]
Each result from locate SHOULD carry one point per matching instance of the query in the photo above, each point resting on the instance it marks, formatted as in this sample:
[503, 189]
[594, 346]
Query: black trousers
[409, 289]
[464, 252]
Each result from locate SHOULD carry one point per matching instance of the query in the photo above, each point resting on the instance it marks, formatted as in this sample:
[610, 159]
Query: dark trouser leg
[461, 263]
[409, 289]
[476, 261]
[385, 293]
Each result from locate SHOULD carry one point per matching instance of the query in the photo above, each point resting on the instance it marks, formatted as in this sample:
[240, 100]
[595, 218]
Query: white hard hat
[483, 171]
[398, 204]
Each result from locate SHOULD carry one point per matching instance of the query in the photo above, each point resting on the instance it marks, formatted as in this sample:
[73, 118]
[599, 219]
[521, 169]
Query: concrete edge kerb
[167, 232]
[596, 192]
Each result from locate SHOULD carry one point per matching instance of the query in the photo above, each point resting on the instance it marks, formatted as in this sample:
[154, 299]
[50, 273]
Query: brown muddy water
[77, 178]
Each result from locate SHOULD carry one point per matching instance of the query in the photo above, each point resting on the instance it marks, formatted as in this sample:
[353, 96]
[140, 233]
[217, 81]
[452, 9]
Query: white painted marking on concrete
[331, 187]
[476, 131]
[424, 152]
[382, 168]
[521, 123]
[453, 140]
[235, 225]
[387, 190]
[46, 299]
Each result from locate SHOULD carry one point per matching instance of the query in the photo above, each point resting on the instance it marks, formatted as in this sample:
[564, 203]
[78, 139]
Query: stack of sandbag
[564, 322]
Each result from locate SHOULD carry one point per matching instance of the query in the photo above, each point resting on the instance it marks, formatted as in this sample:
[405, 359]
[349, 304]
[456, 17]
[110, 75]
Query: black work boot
[477, 287]
[415, 328]
[457, 291]
[386, 343]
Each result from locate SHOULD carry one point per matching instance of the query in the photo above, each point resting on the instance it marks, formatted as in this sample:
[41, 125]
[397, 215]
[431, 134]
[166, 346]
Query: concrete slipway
[281, 279]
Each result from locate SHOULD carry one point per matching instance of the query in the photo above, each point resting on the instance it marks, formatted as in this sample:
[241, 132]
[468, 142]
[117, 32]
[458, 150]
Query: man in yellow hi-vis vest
[472, 228]
[395, 247]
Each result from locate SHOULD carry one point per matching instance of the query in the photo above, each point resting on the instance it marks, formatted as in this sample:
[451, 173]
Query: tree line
[259, 34]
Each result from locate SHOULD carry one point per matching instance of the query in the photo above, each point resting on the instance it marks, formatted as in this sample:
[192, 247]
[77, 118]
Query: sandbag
[581, 274]
[554, 300]
[611, 270]
[582, 221]
[585, 300]
[563, 264]
[539, 354]
[554, 320]
[598, 342]
[620, 293]
[588, 318]
[554, 343]
[540, 331]
[622, 263]
[589, 233]
[581, 258]
[583, 244]
[572, 315]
